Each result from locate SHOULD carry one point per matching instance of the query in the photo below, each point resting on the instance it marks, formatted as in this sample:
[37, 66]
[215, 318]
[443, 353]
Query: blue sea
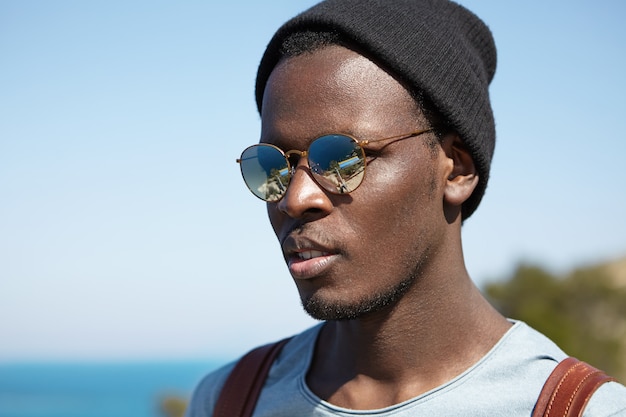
[95, 389]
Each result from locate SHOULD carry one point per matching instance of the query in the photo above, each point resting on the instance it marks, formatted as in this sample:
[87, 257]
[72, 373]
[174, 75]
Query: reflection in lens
[338, 163]
[265, 171]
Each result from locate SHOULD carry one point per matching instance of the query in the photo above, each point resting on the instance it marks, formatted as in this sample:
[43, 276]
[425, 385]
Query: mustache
[307, 236]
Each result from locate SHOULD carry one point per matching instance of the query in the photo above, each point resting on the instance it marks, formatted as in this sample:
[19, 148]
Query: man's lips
[307, 258]
[310, 254]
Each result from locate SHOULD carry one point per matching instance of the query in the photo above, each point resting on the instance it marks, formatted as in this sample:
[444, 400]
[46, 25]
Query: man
[377, 136]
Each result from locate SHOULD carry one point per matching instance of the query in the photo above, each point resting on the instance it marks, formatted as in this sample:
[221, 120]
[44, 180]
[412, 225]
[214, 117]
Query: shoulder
[293, 358]
[523, 348]
[206, 393]
[508, 380]
[512, 374]
[527, 349]
[608, 401]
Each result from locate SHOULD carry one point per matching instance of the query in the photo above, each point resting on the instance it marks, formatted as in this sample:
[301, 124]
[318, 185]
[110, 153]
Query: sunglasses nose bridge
[300, 154]
[294, 157]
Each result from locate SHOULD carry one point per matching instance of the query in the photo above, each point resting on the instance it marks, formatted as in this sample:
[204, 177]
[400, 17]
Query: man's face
[352, 254]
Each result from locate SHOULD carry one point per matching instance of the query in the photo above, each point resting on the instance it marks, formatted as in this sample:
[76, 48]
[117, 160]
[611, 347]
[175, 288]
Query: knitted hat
[434, 46]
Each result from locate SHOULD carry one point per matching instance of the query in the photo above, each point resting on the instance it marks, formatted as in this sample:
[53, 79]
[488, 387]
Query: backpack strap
[568, 389]
[243, 386]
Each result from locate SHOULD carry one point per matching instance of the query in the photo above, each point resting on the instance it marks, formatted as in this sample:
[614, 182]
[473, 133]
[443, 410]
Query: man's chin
[321, 308]
[329, 311]
[325, 310]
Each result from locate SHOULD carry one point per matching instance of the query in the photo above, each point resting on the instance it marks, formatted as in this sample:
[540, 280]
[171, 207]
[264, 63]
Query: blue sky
[126, 231]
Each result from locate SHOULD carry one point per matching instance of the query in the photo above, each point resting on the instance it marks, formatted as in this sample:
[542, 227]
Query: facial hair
[322, 309]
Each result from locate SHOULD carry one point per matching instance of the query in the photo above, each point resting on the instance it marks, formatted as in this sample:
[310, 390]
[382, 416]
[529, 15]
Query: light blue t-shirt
[505, 382]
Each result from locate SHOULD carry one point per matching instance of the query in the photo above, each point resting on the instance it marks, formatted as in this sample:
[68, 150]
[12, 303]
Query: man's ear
[462, 176]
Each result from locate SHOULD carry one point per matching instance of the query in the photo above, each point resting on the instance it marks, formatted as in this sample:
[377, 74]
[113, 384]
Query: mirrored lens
[337, 162]
[265, 171]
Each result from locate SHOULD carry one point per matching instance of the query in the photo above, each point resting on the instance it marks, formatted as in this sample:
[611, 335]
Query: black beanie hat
[434, 46]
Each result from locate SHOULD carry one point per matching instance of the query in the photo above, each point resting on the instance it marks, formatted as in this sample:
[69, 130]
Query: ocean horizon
[97, 388]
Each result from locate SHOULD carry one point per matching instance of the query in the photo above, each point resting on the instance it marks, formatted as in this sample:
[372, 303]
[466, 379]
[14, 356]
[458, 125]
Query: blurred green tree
[172, 405]
[584, 312]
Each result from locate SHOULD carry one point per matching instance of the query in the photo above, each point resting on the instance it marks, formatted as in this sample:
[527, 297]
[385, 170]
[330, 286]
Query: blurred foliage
[172, 405]
[584, 312]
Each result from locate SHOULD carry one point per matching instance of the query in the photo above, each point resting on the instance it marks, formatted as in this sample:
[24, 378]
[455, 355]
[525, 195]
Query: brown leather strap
[568, 389]
[243, 386]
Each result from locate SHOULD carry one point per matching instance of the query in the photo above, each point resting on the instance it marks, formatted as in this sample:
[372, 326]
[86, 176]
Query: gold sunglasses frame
[304, 154]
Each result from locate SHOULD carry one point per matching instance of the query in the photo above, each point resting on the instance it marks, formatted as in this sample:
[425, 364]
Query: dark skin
[396, 238]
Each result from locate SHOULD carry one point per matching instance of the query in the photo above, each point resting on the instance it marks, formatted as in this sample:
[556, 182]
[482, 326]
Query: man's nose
[304, 195]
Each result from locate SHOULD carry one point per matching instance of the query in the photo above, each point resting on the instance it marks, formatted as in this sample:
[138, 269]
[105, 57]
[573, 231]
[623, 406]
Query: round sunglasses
[336, 162]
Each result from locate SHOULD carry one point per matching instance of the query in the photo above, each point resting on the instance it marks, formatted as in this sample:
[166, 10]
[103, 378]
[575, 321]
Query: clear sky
[126, 231]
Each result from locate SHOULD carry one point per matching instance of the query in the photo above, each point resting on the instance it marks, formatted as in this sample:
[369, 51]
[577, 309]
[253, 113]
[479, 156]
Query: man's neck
[431, 336]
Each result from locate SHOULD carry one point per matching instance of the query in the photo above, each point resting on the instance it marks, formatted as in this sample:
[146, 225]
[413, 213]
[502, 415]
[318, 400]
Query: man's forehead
[335, 69]
[334, 90]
